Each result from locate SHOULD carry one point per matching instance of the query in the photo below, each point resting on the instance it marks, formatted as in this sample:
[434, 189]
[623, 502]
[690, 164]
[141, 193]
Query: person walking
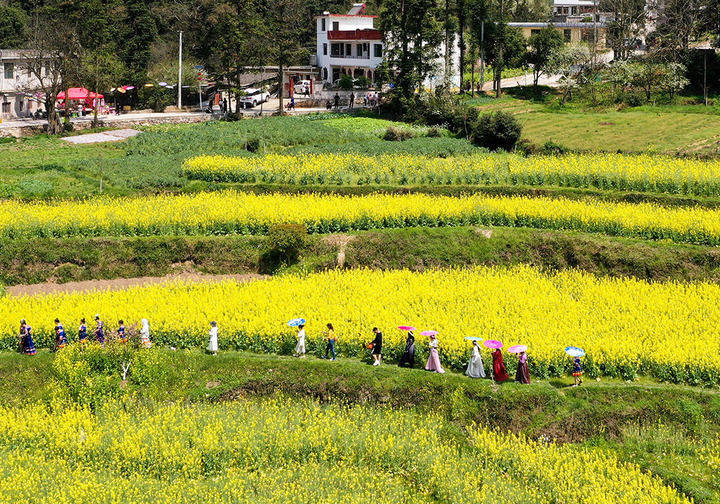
[499, 371]
[408, 356]
[352, 99]
[377, 347]
[121, 332]
[27, 345]
[99, 330]
[82, 332]
[300, 347]
[475, 367]
[213, 344]
[331, 339]
[577, 371]
[337, 101]
[145, 334]
[60, 336]
[522, 375]
[433, 363]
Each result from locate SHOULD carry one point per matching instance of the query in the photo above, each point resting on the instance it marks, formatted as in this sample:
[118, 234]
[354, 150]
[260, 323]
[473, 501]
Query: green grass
[47, 167]
[39, 260]
[662, 129]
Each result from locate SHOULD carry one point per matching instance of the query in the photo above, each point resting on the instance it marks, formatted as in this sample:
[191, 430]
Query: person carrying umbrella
[522, 374]
[577, 372]
[300, 347]
[433, 363]
[475, 367]
[213, 343]
[408, 356]
[499, 371]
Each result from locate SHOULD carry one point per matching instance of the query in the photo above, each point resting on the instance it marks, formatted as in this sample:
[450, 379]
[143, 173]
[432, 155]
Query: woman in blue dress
[121, 332]
[60, 336]
[99, 330]
[27, 344]
[82, 332]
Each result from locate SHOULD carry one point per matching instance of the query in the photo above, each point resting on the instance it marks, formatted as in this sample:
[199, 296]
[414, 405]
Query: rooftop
[589, 25]
[357, 10]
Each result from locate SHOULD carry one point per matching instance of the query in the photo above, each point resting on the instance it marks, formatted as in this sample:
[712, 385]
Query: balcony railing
[340, 56]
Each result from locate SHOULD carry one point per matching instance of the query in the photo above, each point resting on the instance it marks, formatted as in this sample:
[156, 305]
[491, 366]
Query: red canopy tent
[75, 93]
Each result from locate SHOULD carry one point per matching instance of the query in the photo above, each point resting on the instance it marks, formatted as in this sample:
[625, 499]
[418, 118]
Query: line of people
[27, 342]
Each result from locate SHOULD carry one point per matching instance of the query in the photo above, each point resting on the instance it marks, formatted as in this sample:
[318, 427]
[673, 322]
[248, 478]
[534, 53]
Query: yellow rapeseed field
[232, 212]
[627, 327]
[606, 171]
[279, 451]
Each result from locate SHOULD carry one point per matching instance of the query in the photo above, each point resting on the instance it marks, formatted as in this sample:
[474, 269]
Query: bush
[394, 134]
[346, 82]
[362, 82]
[496, 130]
[284, 243]
[434, 132]
[252, 145]
[551, 148]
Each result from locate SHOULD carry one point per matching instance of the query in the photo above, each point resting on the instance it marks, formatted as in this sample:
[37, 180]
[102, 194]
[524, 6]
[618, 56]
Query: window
[6, 107]
[337, 50]
[9, 71]
[348, 50]
[20, 105]
[336, 25]
[322, 23]
[325, 49]
[534, 32]
[567, 35]
[325, 74]
[378, 51]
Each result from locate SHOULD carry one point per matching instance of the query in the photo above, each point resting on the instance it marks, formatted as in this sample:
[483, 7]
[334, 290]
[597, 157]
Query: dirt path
[124, 283]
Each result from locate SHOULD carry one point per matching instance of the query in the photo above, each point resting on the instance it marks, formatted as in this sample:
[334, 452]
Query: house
[16, 86]
[572, 31]
[574, 7]
[348, 44]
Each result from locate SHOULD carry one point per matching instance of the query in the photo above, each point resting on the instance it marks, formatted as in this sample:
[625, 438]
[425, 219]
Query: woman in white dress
[213, 344]
[300, 347]
[475, 367]
[145, 334]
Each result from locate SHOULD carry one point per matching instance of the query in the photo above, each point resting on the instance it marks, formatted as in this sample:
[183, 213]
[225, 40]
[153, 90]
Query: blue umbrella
[296, 322]
[473, 338]
[574, 351]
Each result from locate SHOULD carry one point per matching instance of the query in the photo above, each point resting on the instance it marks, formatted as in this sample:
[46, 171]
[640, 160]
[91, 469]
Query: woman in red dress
[499, 372]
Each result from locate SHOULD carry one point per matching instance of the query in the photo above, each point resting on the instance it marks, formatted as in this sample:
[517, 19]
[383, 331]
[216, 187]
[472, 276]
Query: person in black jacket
[377, 347]
[408, 356]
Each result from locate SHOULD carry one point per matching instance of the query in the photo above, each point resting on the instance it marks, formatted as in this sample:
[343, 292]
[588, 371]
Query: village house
[572, 31]
[17, 86]
[348, 44]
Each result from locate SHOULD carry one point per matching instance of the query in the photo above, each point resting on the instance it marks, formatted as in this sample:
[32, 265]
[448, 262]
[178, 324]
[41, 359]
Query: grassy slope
[43, 167]
[62, 260]
[658, 426]
[661, 129]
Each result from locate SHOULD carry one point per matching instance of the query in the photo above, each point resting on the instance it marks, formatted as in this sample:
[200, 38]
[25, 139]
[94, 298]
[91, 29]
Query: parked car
[254, 97]
[302, 87]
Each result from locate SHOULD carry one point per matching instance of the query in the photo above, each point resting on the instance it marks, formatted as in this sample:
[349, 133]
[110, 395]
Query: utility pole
[500, 62]
[179, 102]
[482, 56]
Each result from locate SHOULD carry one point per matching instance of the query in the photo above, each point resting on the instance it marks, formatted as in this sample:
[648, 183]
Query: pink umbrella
[428, 333]
[406, 328]
[493, 343]
[517, 349]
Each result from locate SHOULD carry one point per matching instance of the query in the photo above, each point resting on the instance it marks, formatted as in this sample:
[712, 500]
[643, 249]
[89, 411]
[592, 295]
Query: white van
[254, 97]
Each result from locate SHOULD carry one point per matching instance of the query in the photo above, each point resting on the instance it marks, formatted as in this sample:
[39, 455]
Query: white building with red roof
[348, 44]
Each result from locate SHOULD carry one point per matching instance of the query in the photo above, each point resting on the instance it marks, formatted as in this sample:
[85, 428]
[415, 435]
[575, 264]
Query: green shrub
[551, 148]
[394, 134]
[284, 243]
[496, 131]
[253, 145]
[346, 82]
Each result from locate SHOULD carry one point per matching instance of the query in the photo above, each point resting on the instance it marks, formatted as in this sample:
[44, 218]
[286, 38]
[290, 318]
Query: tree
[542, 45]
[413, 35]
[100, 69]
[13, 27]
[51, 62]
[140, 31]
[281, 28]
[506, 49]
[569, 62]
[628, 18]
[461, 13]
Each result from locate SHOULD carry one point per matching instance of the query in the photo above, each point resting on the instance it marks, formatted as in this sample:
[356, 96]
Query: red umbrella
[74, 93]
